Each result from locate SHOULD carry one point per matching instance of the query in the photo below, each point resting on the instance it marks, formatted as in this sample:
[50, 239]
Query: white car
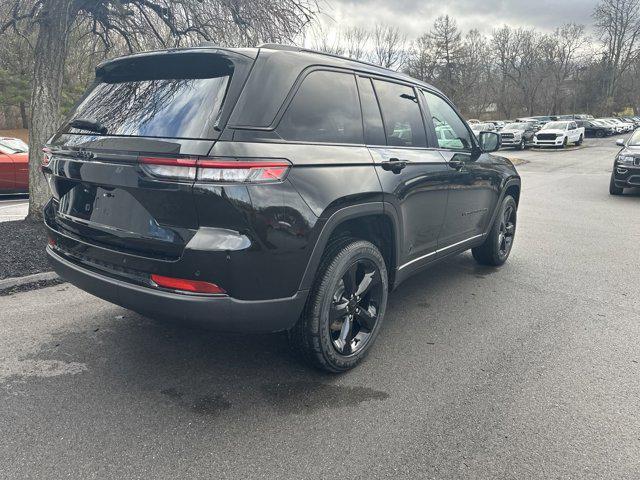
[618, 127]
[625, 126]
[559, 134]
[476, 128]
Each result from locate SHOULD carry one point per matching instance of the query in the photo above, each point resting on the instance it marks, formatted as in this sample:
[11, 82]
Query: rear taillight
[242, 171]
[217, 170]
[193, 286]
[170, 168]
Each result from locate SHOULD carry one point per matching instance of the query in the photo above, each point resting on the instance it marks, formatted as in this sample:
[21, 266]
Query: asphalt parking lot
[529, 371]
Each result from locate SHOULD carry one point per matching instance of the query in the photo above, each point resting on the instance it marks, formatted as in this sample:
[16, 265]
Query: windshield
[155, 98]
[555, 126]
[634, 141]
[14, 145]
[516, 126]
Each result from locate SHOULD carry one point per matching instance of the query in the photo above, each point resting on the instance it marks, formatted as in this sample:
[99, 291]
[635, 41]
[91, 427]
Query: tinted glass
[445, 118]
[325, 109]
[373, 128]
[176, 108]
[401, 114]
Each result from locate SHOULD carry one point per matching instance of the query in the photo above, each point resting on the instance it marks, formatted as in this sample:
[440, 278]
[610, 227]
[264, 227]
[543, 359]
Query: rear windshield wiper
[89, 125]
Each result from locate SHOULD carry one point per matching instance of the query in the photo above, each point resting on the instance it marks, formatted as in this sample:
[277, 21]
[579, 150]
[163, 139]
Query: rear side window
[450, 129]
[178, 98]
[325, 109]
[401, 115]
[373, 128]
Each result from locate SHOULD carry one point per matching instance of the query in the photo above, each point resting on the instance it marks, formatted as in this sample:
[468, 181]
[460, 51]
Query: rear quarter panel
[288, 218]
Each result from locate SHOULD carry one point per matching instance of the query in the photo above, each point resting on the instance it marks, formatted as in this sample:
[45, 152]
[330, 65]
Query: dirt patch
[21, 133]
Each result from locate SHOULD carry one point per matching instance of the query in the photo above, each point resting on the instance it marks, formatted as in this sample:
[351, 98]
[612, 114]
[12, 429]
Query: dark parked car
[269, 189]
[593, 129]
[626, 167]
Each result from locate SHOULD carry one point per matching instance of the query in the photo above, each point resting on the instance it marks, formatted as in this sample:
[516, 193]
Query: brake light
[216, 170]
[242, 171]
[194, 286]
[173, 168]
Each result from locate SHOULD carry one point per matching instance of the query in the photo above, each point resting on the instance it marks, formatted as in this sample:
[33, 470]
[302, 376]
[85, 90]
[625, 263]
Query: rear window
[171, 98]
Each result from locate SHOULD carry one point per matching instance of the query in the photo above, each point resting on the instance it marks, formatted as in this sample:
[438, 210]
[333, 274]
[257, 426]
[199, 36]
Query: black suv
[626, 167]
[269, 189]
[592, 129]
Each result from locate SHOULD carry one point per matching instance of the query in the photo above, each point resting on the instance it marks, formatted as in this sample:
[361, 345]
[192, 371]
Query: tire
[522, 145]
[613, 189]
[580, 140]
[334, 333]
[497, 247]
[599, 134]
[565, 142]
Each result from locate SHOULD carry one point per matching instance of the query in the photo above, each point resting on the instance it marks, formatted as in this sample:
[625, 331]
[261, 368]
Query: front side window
[325, 109]
[445, 118]
[401, 115]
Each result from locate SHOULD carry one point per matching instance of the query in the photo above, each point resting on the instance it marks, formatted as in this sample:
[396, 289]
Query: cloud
[415, 17]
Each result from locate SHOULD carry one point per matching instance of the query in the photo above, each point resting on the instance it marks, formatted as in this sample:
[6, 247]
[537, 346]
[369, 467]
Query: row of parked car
[555, 131]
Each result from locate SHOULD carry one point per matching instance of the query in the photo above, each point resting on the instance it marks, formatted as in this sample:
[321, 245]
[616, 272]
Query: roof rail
[290, 48]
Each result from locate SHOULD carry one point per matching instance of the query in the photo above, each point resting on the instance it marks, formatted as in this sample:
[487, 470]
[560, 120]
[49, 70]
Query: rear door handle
[394, 165]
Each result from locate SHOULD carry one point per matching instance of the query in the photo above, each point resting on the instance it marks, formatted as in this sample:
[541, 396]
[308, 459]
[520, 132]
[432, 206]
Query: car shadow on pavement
[209, 373]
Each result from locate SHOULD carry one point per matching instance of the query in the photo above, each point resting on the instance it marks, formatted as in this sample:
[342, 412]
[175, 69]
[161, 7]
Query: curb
[20, 281]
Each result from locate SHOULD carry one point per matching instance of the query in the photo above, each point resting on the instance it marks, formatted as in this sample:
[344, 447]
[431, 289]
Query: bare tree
[562, 50]
[389, 47]
[325, 40]
[476, 75]
[356, 41]
[520, 62]
[422, 60]
[133, 22]
[618, 22]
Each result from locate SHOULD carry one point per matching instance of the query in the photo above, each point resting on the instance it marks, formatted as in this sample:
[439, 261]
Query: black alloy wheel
[499, 242]
[355, 306]
[507, 231]
[346, 306]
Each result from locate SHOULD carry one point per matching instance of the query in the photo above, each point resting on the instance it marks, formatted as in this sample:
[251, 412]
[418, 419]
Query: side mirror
[620, 142]
[489, 141]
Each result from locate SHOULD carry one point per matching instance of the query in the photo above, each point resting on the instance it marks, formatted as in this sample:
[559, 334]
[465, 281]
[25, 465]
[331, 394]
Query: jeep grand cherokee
[269, 189]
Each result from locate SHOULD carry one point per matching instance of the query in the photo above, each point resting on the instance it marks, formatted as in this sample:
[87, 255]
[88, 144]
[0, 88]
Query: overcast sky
[416, 16]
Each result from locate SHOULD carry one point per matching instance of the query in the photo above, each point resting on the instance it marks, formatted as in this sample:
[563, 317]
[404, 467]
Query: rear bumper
[216, 312]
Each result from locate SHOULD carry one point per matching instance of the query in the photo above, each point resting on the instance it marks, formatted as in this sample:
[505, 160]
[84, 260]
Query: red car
[14, 165]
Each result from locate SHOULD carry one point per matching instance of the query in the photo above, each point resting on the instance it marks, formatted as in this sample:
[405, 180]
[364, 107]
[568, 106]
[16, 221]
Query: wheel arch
[511, 187]
[374, 222]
